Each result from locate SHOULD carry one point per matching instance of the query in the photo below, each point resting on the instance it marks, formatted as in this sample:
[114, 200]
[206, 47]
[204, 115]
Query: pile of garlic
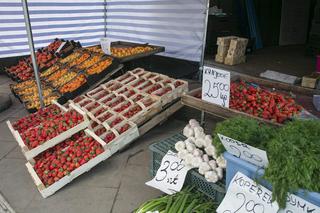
[198, 152]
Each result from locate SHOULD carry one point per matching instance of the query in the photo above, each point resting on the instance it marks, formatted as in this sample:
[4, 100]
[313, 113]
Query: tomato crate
[31, 153]
[158, 150]
[235, 165]
[50, 190]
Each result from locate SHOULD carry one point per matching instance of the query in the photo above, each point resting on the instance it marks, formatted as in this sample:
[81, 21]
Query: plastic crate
[215, 191]
[235, 165]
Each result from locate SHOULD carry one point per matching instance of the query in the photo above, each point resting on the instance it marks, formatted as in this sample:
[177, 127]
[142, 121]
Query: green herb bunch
[294, 159]
[243, 129]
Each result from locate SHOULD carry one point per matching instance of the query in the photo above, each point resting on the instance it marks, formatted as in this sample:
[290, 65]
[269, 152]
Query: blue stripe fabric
[79, 20]
[176, 24]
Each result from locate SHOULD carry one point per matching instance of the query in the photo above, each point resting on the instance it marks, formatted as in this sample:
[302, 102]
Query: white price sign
[244, 151]
[246, 196]
[171, 175]
[216, 86]
[105, 45]
[296, 204]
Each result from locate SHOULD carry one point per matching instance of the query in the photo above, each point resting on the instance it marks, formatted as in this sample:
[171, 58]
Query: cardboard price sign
[105, 45]
[244, 151]
[216, 86]
[244, 196]
[171, 175]
[296, 204]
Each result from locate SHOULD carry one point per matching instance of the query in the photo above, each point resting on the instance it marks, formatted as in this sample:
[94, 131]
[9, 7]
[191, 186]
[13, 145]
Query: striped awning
[176, 24]
[80, 20]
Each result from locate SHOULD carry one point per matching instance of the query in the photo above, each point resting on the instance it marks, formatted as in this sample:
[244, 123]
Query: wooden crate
[219, 59]
[237, 47]
[47, 191]
[31, 153]
[121, 140]
[310, 81]
[233, 60]
[222, 51]
[217, 110]
[225, 41]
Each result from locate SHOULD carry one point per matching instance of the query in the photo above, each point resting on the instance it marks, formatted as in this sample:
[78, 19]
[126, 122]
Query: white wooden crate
[31, 153]
[50, 190]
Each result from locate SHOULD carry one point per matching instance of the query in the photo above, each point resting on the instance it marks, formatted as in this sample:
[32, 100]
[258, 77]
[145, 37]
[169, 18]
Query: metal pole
[105, 18]
[204, 41]
[31, 47]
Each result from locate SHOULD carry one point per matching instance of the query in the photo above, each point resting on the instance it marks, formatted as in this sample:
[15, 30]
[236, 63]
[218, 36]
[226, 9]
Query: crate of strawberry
[59, 165]
[262, 103]
[256, 98]
[117, 134]
[52, 129]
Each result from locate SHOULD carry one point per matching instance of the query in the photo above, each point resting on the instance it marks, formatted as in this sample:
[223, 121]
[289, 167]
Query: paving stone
[105, 174]
[133, 190]
[5, 134]
[14, 109]
[74, 199]
[15, 183]
[15, 154]
[6, 148]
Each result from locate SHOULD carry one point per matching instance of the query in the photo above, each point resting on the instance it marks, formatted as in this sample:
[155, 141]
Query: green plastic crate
[215, 191]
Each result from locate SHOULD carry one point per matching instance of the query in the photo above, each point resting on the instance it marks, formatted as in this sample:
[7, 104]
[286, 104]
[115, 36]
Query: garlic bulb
[197, 153]
[205, 158]
[180, 145]
[190, 147]
[188, 131]
[193, 123]
[211, 176]
[211, 151]
[212, 164]
[221, 162]
[219, 171]
[196, 162]
[199, 142]
[189, 159]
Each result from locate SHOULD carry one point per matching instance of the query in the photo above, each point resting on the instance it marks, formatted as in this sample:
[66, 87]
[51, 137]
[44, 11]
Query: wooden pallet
[31, 153]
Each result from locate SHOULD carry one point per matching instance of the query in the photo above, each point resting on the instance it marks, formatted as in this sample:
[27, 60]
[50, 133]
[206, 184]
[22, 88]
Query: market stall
[85, 107]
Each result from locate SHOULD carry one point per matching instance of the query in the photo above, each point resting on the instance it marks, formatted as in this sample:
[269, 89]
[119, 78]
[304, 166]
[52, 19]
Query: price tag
[171, 174]
[61, 46]
[296, 204]
[216, 86]
[105, 45]
[244, 151]
[244, 195]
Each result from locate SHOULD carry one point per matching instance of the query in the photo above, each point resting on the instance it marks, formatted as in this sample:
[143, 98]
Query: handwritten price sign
[246, 196]
[171, 174]
[216, 86]
[241, 150]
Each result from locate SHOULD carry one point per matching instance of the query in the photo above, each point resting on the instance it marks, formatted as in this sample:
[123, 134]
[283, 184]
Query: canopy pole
[31, 47]
[204, 39]
[105, 18]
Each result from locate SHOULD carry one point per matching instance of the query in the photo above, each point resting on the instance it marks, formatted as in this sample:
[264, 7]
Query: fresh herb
[243, 129]
[294, 159]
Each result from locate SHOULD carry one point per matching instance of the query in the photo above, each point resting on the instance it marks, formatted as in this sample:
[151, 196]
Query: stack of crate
[231, 50]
